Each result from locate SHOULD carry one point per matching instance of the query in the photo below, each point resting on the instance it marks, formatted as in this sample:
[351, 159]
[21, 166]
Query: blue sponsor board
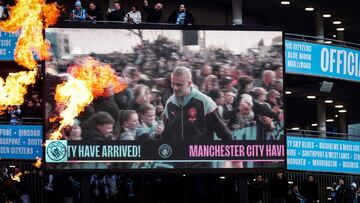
[326, 155]
[7, 45]
[20, 141]
[322, 60]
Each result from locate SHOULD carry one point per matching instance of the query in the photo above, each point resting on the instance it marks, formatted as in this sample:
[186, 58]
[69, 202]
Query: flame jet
[29, 17]
[89, 79]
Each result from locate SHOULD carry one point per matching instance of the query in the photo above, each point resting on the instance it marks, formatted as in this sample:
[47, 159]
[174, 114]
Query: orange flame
[12, 90]
[89, 79]
[28, 16]
[38, 162]
[16, 177]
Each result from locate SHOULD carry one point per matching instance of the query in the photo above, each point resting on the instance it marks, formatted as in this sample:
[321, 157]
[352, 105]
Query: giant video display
[164, 98]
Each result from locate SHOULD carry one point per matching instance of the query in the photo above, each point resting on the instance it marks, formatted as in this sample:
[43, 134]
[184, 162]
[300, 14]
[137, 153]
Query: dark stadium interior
[297, 20]
[302, 111]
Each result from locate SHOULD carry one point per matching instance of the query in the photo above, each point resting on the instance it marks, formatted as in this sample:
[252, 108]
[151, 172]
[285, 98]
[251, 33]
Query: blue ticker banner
[326, 155]
[20, 141]
[7, 45]
[322, 60]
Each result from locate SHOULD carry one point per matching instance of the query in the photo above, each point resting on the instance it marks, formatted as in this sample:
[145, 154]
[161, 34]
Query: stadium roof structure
[295, 19]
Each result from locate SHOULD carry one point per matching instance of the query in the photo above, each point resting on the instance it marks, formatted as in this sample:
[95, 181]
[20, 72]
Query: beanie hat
[102, 118]
[78, 3]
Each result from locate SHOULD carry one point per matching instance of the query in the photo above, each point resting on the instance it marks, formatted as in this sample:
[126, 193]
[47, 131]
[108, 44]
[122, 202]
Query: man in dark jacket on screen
[98, 127]
[190, 114]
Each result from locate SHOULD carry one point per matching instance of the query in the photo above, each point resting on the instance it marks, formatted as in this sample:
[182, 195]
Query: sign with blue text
[326, 155]
[322, 60]
[20, 141]
[7, 45]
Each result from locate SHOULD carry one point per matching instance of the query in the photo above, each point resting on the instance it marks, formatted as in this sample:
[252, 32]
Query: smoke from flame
[89, 79]
[29, 17]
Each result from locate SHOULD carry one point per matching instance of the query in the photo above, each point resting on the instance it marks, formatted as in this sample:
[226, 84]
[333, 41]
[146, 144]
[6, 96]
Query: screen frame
[153, 26]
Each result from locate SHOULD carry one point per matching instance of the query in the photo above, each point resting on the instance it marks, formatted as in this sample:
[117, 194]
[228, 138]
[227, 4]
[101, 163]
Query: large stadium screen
[164, 99]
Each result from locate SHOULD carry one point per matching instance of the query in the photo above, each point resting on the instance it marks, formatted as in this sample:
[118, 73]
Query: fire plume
[89, 79]
[12, 90]
[31, 17]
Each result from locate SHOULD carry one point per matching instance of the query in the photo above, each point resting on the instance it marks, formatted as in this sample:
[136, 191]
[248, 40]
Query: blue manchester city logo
[165, 151]
[56, 151]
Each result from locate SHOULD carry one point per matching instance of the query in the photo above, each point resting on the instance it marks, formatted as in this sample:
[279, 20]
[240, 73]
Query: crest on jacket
[192, 115]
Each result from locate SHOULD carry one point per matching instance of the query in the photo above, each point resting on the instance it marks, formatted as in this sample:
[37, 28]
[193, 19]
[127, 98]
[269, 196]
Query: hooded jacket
[196, 118]
[89, 127]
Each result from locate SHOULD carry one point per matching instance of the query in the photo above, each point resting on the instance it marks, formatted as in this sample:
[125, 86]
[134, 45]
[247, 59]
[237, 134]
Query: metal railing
[110, 22]
[23, 121]
[306, 38]
[323, 180]
[322, 134]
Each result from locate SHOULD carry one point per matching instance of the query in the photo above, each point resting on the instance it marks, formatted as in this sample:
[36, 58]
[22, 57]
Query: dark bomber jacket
[196, 118]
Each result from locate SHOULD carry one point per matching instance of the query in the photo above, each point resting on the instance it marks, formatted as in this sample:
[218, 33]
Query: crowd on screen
[247, 89]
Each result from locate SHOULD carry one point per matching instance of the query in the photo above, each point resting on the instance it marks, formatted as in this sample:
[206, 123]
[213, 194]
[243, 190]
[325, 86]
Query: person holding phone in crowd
[133, 16]
[117, 13]
[78, 13]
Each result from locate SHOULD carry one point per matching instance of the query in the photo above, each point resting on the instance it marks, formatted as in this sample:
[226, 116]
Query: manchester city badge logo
[165, 151]
[56, 151]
